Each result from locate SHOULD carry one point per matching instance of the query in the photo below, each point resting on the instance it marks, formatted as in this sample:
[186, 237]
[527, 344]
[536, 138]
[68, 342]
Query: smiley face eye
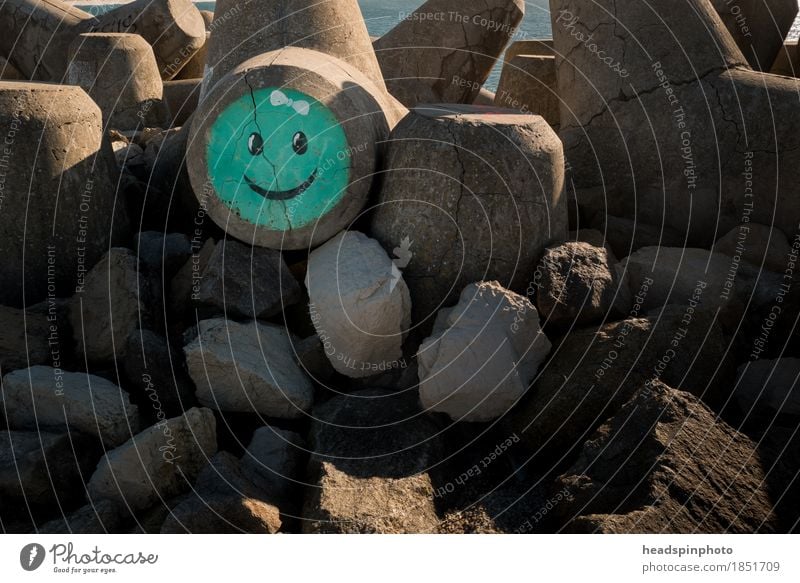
[255, 143]
[300, 143]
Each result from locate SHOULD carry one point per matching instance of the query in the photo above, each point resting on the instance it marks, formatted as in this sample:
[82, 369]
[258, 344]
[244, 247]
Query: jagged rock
[768, 387]
[756, 244]
[359, 304]
[665, 463]
[224, 501]
[371, 452]
[274, 461]
[42, 396]
[248, 368]
[164, 253]
[157, 373]
[311, 355]
[185, 285]
[116, 298]
[595, 371]
[479, 217]
[158, 463]
[42, 470]
[443, 52]
[100, 517]
[580, 283]
[24, 339]
[246, 282]
[691, 171]
[483, 354]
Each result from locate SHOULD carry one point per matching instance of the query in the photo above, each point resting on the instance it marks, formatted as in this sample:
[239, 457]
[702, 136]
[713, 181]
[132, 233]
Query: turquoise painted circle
[278, 158]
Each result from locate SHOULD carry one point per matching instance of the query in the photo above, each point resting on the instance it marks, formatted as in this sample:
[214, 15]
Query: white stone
[158, 463]
[483, 354]
[359, 303]
[248, 368]
[42, 396]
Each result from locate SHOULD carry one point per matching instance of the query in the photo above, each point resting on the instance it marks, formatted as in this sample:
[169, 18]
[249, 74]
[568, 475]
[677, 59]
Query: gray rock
[246, 282]
[274, 461]
[101, 517]
[248, 368]
[580, 283]
[626, 236]
[157, 373]
[756, 244]
[359, 304]
[371, 454]
[769, 387]
[312, 358]
[41, 470]
[24, 339]
[164, 253]
[595, 371]
[483, 355]
[117, 298]
[664, 464]
[42, 396]
[158, 463]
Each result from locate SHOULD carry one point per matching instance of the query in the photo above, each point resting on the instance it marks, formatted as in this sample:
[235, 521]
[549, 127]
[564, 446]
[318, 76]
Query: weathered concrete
[759, 27]
[679, 154]
[175, 29]
[283, 151]
[240, 32]
[182, 97]
[470, 194]
[57, 190]
[528, 83]
[444, 51]
[120, 73]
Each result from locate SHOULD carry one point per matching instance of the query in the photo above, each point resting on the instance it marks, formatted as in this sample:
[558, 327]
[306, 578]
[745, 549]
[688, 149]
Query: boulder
[116, 298]
[42, 396]
[248, 368]
[528, 83]
[483, 356]
[163, 253]
[42, 470]
[334, 28]
[298, 184]
[443, 52]
[60, 212]
[766, 388]
[578, 283]
[119, 72]
[689, 170]
[359, 305]
[101, 517]
[223, 501]
[626, 236]
[756, 244]
[369, 468]
[157, 375]
[158, 463]
[595, 371]
[274, 462]
[759, 27]
[25, 339]
[665, 464]
[246, 282]
[480, 216]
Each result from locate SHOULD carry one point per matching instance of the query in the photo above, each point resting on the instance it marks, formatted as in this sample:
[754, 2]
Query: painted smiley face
[278, 158]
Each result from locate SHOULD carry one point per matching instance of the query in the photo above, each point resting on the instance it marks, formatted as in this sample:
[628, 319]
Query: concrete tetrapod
[673, 129]
[283, 152]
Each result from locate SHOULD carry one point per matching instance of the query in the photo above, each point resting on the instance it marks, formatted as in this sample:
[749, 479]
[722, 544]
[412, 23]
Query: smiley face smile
[282, 194]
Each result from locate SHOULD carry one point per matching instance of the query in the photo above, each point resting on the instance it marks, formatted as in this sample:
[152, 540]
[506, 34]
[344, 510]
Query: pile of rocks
[247, 290]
